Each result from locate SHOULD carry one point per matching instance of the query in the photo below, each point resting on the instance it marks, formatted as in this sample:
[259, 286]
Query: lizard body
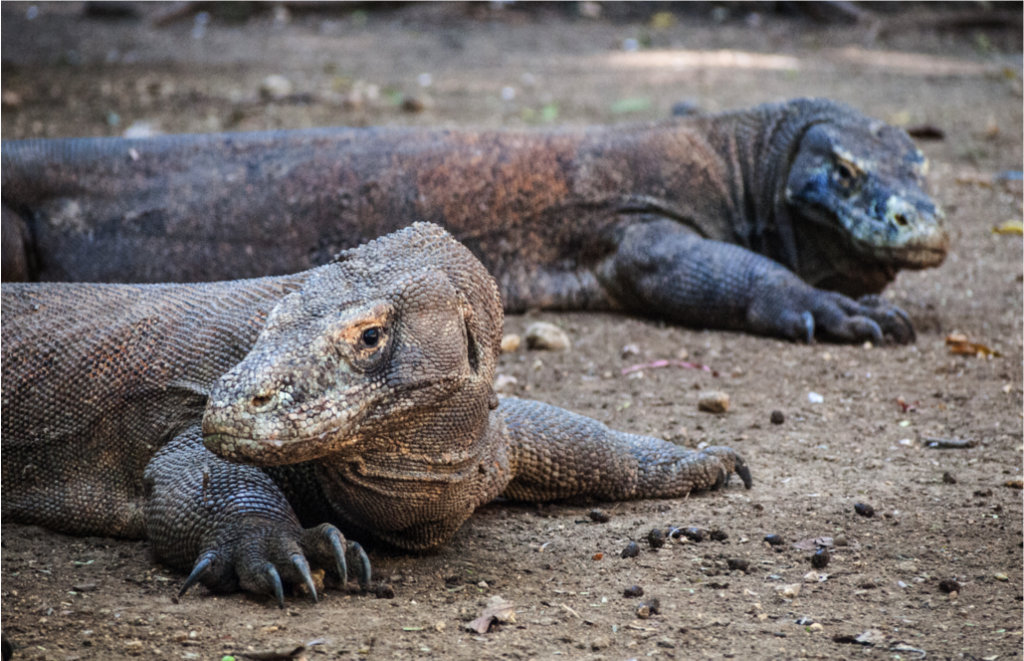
[764, 220]
[234, 424]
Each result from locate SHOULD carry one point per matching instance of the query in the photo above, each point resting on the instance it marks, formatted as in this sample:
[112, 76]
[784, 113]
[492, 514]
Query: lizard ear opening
[472, 346]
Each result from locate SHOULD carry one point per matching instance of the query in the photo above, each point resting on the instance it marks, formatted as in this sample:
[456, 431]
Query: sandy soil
[70, 598]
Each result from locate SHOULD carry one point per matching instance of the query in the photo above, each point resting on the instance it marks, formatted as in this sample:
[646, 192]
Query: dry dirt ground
[68, 598]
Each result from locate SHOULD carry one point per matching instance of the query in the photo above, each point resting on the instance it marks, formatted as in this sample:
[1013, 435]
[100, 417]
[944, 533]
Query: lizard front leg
[662, 269]
[233, 525]
[557, 454]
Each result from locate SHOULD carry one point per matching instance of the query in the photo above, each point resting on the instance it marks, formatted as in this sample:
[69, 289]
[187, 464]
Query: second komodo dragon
[232, 424]
[751, 220]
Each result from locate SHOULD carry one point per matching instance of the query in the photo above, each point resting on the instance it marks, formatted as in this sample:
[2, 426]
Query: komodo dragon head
[379, 370]
[862, 182]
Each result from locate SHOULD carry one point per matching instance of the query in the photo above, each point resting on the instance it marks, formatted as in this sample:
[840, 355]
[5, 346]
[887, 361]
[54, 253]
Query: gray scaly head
[861, 179]
[379, 371]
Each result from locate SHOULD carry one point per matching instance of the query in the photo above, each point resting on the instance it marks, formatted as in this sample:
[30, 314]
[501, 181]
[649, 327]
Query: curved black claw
[303, 568]
[731, 462]
[808, 320]
[275, 581]
[340, 564]
[359, 559]
[325, 545]
[743, 471]
[202, 566]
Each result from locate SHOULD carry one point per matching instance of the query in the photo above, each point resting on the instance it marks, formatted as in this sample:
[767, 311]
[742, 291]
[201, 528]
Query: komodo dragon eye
[846, 174]
[371, 336]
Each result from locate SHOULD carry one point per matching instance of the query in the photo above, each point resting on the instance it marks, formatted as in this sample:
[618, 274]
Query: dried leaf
[907, 407]
[959, 344]
[813, 543]
[1009, 227]
[498, 610]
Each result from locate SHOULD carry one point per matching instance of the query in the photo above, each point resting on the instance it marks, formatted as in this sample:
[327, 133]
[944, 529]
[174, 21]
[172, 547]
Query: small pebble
[820, 559]
[817, 626]
[740, 564]
[777, 417]
[1000, 576]
[630, 350]
[633, 591]
[275, 87]
[413, 104]
[774, 540]
[948, 478]
[864, 510]
[598, 516]
[11, 99]
[713, 402]
[632, 550]
[983, 493]
[788, 591]
[510, 343]
[840, 540]
[600, 643]
[950, 585]
[545, 336]
[656, 538]
[718, 535]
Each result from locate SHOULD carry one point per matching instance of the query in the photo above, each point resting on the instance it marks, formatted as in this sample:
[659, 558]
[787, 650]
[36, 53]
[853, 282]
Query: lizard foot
[836, 317]
[263, 559]
[728, 462]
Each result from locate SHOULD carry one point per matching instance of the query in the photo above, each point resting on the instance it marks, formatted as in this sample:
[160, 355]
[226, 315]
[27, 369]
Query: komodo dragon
[358, 393]
[738, 220]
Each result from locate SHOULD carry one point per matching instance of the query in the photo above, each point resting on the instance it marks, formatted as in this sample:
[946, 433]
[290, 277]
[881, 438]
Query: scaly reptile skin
[749, 220]
[233, 424]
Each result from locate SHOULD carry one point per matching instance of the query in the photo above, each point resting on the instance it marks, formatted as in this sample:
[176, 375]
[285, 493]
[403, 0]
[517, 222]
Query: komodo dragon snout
[340, 362]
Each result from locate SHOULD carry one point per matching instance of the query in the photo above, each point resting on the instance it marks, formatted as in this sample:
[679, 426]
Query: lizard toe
[302, 567]
[210, 570]
[360, 564]
[265, 580]
[325, 546]
[894, 322]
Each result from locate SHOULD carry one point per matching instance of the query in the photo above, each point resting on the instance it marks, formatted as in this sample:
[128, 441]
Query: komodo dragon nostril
[261, 401]
[901, 220]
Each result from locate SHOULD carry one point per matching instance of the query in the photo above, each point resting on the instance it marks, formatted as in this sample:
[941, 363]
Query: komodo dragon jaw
[866, 181]
[340, 363]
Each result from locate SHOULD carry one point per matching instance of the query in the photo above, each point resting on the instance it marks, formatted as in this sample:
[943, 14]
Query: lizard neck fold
[417, 500]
